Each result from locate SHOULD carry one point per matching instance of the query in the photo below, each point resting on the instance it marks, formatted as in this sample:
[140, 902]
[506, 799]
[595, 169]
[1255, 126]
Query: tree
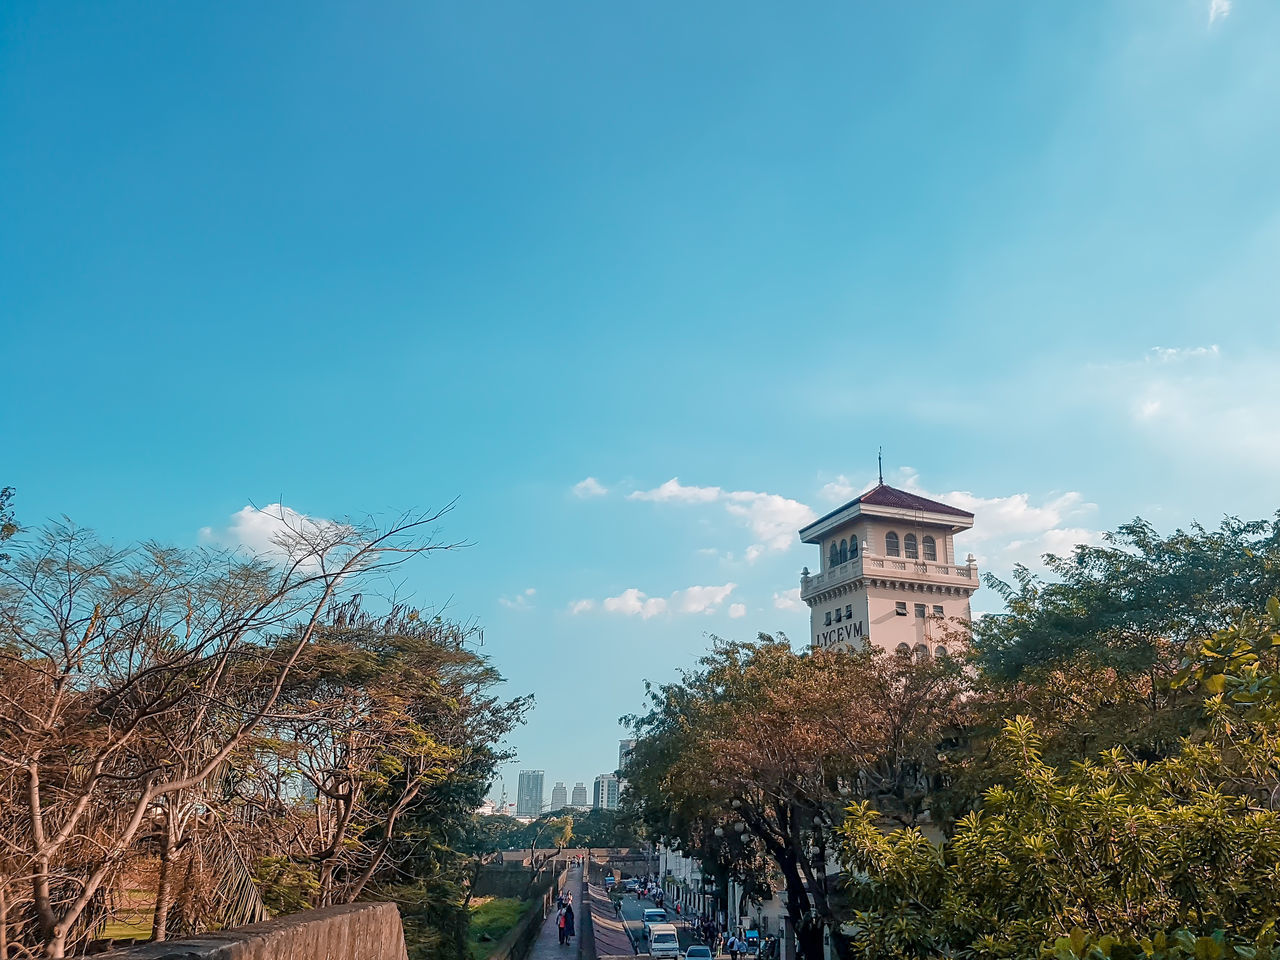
[130, 677]
[1115, 856]
[750, 758]
[8, 528]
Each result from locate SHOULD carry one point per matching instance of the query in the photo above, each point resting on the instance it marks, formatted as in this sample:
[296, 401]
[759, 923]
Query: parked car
[663, 941]
[651, 917]
[609, 881]
[698, 952]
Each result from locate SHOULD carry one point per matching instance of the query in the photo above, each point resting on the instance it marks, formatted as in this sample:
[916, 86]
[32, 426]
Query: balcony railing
[869, 564]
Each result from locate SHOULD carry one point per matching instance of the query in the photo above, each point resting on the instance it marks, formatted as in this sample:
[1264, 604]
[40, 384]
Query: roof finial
[880, 464]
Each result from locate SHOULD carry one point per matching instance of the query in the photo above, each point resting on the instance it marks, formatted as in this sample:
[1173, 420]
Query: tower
[579, 798]
[888, 574]
[559, 796]
[529, 793]
[606, 792]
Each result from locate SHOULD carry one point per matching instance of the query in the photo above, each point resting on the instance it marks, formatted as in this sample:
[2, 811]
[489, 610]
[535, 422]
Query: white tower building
[888, 574]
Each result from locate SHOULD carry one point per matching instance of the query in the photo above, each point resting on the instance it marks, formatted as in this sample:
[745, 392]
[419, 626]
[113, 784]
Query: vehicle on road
[609, 881]
[652, 917]
[698, 952]
[663, 941]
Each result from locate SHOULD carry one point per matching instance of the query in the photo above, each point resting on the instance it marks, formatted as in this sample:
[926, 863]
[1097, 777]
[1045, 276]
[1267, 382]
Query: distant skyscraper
[624, 753]
[580, 799]
[529, 793]
[559, 796]
[606, 792]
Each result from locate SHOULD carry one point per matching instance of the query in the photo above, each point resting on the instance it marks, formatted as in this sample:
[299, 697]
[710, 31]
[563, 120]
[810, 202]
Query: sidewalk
[547, 946]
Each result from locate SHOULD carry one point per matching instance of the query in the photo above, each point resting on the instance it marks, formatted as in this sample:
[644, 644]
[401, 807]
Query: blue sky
[354, 257]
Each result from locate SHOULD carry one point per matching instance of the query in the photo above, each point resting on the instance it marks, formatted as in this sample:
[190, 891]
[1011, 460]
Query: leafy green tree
[749, 759]
[1113, 857]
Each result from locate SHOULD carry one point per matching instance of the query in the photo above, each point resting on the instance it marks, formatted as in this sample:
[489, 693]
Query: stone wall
[358, 931]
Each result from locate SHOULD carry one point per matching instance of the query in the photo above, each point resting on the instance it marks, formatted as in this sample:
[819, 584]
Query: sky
[643, 287]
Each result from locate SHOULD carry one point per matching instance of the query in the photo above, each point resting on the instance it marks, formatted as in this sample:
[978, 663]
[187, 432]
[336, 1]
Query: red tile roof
[887, 496]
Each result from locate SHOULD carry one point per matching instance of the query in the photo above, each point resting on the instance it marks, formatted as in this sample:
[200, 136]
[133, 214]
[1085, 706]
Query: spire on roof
[880, 464]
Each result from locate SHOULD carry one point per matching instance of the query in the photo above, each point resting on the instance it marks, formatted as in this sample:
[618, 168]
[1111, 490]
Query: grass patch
[491, 918]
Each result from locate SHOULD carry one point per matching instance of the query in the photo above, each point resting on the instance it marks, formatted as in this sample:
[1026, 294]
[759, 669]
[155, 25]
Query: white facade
[605, 795]
[559, 796]
[888, 575]
[529, 793]
[579, 796]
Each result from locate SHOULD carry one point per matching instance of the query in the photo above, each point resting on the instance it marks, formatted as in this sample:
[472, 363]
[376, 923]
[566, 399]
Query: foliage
[747, 761]
[490, 921]
[8, 528]
[1178, 857]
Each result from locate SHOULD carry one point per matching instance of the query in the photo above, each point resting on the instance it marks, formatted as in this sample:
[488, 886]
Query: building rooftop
[888, 498]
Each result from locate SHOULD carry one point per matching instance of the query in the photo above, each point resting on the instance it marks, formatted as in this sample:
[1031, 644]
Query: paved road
[633, 910]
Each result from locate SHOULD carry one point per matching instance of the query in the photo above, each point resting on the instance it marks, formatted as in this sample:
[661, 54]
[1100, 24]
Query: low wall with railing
[357, 931]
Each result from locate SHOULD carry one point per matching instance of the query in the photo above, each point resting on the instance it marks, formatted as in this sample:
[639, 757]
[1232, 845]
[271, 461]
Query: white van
[663, 941]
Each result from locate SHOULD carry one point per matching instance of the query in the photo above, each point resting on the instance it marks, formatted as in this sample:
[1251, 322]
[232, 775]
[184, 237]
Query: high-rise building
[624, 754]
[559, 796]
[579, 798]
[888, 574]
[606, 792]
[529, 793]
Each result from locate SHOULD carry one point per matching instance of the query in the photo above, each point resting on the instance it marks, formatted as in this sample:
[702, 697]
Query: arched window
[930, 548]
[835, 554]
[922, 652]
[890, 544]
[909, 547]
[844, 551]
[853, 548]
[940, 651]
[903, 650]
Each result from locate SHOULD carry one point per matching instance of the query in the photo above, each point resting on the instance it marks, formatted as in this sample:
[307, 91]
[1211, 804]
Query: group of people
[564, 917]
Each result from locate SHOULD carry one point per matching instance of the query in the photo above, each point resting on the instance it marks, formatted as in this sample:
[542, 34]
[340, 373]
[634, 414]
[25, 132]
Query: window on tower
[937, 609]
[853, 548]
[930, 548]
[920, 610]
[903, 650]
[844, 551]
[828, 623]
[900, 608]
[909, 547]
[891, 544]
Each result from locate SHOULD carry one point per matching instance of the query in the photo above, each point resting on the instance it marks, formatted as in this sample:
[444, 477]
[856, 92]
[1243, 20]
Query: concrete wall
[358, 931]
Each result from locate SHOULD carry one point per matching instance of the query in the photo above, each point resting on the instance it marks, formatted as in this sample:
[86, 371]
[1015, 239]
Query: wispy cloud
[788, 600]
[1219, 10]
[634, 602]
[521, 601]
[1015, 528]
[839, 490]
[588, 488]
[772, 518]
[737, 611]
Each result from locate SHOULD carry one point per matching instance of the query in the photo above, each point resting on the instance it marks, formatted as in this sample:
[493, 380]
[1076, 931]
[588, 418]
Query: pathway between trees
[547, 946]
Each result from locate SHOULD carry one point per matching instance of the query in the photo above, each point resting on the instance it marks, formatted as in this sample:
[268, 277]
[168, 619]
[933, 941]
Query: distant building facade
[606, 792]
[624, 754]
[529, 793]
[888, 575]
[579, 798]
[559, 796]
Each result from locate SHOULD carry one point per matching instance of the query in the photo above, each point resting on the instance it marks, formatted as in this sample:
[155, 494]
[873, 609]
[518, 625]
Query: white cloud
[737, 611]
[1219, 10]
[673, 491]
[581, 606]
[839, 490]
[590, 487]
[788, 600]
[772, 519]
[521, 601]
[274, 532]
[701, 599]
[636, 603]
[632, 602]
[1014, 529]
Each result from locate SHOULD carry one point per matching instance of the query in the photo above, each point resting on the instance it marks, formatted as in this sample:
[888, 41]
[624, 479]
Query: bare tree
[128, 678]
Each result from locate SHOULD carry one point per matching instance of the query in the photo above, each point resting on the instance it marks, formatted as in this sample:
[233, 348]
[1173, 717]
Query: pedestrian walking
[568, 920]
[734, 947]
